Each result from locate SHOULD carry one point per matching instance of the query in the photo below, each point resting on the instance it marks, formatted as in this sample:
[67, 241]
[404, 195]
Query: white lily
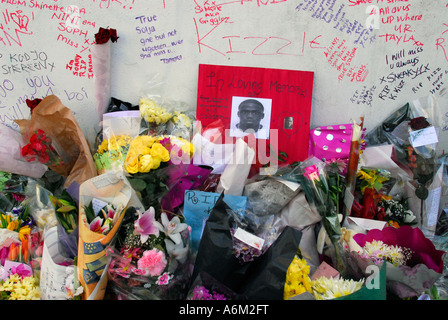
[171, 228]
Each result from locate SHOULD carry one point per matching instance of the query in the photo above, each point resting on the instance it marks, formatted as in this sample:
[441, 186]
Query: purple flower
[201, 293]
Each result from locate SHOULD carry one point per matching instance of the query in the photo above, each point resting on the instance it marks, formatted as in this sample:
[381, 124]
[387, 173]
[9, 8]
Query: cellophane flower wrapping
[101, 60]
[210, 147]
[12, 190]
[441, 243]
[20, 253]
[205, 287]
[11, 159]
[151, 259]
[118, 130]
[57, 276]
[163, 116]
[182, 177]
[418, 157]
[324, 187]
[94, 240]
[421, 264]
[253, 271]
[59, 123]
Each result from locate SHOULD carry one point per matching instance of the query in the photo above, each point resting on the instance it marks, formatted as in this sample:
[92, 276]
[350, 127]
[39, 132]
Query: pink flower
[21, 271]
[97, 226]
[144, 225]
[153, 262]
[164, 279]
[311, 172]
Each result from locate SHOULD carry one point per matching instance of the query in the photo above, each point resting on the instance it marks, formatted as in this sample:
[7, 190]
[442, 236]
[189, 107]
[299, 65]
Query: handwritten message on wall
[369, 57]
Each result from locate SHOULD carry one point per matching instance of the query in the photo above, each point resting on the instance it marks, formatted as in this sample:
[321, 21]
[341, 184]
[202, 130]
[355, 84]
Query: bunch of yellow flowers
[16, 287]
[297, 278]
[145, 153]
[153, 113]
[111, 152]
[298, 281]
[12, 222]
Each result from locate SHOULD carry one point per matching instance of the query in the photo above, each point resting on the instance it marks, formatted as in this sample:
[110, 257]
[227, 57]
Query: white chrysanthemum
[379, 251]
[331, 288]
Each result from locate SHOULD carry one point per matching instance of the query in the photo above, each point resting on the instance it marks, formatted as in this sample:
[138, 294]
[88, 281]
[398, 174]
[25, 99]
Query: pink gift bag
[331, 142]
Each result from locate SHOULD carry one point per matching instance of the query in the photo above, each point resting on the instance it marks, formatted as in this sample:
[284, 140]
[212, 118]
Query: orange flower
[393, 223]
[13, 252]
[25, 252]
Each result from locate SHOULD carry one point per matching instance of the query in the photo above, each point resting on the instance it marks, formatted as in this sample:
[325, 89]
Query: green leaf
[64, 202]
[54, 201]
[66, 208]
[138, 184]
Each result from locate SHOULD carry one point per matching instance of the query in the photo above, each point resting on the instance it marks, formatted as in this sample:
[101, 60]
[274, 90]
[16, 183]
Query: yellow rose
[159, 151]
[146, 163]
[143, 141]
[131, 164]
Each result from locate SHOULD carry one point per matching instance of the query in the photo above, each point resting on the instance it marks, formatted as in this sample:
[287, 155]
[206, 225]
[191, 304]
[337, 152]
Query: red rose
[104, 35]
[32, 103]
[419, 123]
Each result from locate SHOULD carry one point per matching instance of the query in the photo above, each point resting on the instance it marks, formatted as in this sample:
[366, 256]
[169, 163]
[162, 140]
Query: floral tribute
[19, 285]
[40, 149]
[111, 153]
[103, 221]
[298, 281]
[410, 255]
[149, 260]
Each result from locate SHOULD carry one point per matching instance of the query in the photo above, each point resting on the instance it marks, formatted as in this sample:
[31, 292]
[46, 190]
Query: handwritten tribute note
[197, 208]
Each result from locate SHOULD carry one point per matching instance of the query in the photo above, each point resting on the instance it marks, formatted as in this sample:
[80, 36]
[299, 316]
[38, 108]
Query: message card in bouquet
[273, 104]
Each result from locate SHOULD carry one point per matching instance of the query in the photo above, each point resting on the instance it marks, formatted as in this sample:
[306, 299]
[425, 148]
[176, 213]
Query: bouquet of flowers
[412, 130]
[371, 189]
[162, 117]
[58, 122]
[111, 152]
[11, 159]
[299, 281]
[151, 257]
[205, 287]
[396, 212]
[233, 251]
[413, 263]
[18, 283]
[112, 143]
[101, 53]
[151, 166]
[41, 149]
[20, 252]
[103, 202]
[324, 188]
